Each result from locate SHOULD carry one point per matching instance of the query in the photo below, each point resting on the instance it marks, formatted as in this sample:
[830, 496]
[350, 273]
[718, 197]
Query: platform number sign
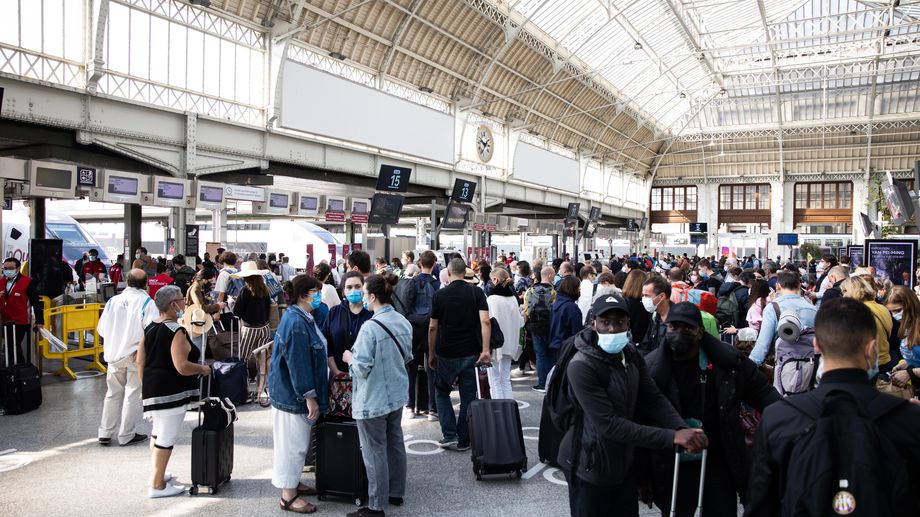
[86, 176]
[393, 179]
[631, 225]
[464, 190]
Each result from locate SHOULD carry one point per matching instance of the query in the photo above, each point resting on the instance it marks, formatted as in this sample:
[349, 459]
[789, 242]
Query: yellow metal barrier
[66, 320]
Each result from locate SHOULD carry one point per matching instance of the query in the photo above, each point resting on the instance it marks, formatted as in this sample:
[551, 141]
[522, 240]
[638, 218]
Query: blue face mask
[872, 372]
[613, 343]
[366, 305]
[316, 301]
[354, 296]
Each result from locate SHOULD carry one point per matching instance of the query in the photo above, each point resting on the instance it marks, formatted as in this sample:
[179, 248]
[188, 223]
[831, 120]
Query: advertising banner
[332, 254]
[857, 256]
[894, 260]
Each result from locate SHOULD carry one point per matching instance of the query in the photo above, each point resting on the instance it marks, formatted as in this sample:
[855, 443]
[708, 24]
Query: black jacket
[654, 336]
[738, 380]
[832, 292]
[639, 318]
[611, 394]
[782, 424]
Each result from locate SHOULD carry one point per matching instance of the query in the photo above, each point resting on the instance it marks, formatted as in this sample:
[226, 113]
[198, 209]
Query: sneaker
[463, 448]
[433, 417]
[105, 442]
[539, 389]
[396, 501]
[138, 438]
[367, 512]
[447, 443]
[168, 491]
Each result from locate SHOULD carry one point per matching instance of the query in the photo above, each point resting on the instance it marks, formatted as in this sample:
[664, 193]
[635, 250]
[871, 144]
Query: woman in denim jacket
[377, 363]
[298, 380]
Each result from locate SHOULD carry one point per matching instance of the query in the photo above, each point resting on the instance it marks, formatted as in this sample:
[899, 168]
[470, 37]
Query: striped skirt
[252, 338]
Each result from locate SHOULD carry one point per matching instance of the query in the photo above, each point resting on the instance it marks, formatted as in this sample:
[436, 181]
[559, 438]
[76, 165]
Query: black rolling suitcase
[212, 446]
[496, 438]
[20, 384]
[549, 439]
[339, 464]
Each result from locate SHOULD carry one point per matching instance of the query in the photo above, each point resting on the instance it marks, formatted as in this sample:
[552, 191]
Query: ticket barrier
[68, 320]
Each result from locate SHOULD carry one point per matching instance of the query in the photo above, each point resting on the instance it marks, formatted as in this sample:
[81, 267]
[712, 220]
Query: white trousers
[291, 434]
[166, 428]
[122, 408]
[500, 378]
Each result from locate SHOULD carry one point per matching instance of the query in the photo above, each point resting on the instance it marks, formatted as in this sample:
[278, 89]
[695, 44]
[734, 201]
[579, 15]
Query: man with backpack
[538, 303]
[412, 299]
[596, 398]
[789, 299]
[733, 301]
[843, 447]
[183, 275]
[227, 289]
[706, 381]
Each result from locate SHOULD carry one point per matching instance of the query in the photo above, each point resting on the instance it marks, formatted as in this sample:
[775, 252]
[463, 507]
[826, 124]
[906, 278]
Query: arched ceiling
[642, 83]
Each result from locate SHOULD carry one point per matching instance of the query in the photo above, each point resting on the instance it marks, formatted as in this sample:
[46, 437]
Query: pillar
[37, 213]
[859, 203]
[132, 230]
[219, 227]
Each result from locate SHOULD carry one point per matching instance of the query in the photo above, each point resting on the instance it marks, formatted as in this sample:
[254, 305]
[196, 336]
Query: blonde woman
[861, 289]
[503, 306]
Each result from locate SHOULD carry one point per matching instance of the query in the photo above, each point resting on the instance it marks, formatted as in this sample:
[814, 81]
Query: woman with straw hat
[252, 306]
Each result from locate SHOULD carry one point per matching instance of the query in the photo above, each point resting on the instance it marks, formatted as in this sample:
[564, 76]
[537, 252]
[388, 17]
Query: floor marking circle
[531, 429]
[437, 447]
[523, 404]
[549, 475]
[13, 461]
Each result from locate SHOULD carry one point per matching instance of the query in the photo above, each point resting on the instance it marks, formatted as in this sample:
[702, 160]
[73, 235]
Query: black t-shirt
[456, 307]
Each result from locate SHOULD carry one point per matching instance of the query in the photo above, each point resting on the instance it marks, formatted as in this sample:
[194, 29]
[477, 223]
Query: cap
[608, 303]
[685, 312]
[470, 277]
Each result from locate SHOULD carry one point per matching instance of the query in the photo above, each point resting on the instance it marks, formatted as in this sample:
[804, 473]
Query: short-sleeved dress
[165, 391]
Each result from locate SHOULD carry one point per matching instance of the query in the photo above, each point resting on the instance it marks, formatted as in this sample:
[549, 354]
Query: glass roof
[673, 58]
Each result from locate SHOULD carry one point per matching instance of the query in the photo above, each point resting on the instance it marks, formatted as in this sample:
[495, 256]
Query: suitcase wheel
[321, 497]
[518, 474]
[193, 490]
[358, 502]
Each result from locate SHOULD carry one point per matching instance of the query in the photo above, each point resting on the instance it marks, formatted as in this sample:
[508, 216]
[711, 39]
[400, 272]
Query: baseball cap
[685, 312]
[608, 303]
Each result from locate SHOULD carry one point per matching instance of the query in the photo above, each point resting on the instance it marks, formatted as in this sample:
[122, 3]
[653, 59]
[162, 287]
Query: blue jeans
[463, 369]
[544, 359]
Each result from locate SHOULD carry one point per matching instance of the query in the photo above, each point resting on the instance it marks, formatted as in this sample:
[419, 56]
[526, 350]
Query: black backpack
[564, 411]
[539, 310]
[841, 465]
[183, 280]
[728, 309]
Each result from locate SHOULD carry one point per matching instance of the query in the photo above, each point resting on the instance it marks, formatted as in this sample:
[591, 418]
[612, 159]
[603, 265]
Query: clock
[485, 143]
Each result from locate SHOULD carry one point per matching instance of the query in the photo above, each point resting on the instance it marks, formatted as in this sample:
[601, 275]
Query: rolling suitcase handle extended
[699, 500]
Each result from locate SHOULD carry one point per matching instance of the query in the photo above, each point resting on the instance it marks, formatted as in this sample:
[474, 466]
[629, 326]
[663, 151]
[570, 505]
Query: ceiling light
[425, 89]
[337, 55]
[683, 95]
[722, 91]
[200, 3]
[637, 46]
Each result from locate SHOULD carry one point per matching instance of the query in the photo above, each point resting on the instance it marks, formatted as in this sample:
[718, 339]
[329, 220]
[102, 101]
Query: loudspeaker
[46, 266]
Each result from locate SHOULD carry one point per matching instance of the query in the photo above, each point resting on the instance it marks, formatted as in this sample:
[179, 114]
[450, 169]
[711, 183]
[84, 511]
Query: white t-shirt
[330, 296]
[223, 283]
[122, 322]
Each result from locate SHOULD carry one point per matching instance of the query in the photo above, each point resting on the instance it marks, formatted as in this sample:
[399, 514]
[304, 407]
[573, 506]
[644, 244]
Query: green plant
[808, 248]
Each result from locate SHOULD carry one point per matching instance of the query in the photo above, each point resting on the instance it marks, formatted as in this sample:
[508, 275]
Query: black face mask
[681, 343]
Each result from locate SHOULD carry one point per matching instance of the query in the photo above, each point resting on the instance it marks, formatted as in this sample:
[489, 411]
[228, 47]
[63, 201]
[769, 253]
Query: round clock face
[485, 144]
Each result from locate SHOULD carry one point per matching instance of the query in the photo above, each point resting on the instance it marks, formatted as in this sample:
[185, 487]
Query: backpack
[564, 411]
[704, 300]
[235, 285]
[796, 369]
[728, 310]
[413, 298]
[841, 464]
[539, 310]
[183, 280]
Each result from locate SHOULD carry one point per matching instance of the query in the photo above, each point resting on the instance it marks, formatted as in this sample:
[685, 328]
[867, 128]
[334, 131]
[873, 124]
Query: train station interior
[547, 129]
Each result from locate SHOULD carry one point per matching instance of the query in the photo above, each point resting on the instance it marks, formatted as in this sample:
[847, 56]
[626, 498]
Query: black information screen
[393, 179]
[787, 239]
[699, 227]
[170, 190]
[572, 212]
[631, 225]
[53, 178]
[595, 213]
[385, 209]
[456, 216]
[122, 185]
[464, 190]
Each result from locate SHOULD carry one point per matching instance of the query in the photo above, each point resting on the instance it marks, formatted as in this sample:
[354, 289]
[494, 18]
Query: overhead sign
[631, 225]
[572, 211]
[491, 227]
[595, 213]
[699, 227]
[86, 176]
[393, 179]
[464, 190]
[479, 227]
[244, 193]
[191, 239]
[699, 239]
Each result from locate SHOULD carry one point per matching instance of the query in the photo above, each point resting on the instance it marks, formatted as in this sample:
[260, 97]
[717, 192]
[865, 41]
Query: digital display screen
[572, 212]
[335, 205]
[385, 209]
[464, 190]
[699, 227]
[595, 213]
[359, 207]
[787, 239]
[122, 186]
[170, 190]
[631, 225]
[456, 216]
[53, 178]
[309, 203]
[278, 201]
[393, 179]
[211, 194]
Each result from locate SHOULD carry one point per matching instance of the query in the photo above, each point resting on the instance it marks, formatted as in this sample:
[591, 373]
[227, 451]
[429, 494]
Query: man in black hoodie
[706, 381]
[609, 381]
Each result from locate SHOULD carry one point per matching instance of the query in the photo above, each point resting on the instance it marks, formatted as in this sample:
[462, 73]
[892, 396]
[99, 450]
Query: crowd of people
[645, 355]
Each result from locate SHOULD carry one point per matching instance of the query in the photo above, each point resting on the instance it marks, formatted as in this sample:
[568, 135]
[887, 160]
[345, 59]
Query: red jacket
[155, 283]
[92, 269]
[14, 307]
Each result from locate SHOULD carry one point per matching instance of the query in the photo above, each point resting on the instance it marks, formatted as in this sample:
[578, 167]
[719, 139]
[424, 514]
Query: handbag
[340, 393]
[890, 388]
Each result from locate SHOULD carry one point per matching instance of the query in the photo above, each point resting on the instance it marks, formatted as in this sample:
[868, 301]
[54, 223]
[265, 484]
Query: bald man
[121, 325]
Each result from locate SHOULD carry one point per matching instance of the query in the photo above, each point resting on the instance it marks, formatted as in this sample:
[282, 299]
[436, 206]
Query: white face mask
[649, 305]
